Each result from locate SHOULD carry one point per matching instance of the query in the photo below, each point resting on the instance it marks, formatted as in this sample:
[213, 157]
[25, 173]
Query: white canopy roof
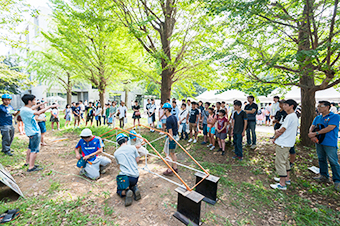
[227, 96]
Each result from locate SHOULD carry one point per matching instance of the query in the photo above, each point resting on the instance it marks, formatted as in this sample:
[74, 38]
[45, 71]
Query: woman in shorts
[211, 128]
[68, 113]
[55, 117]
[42, 124]
[136, 113]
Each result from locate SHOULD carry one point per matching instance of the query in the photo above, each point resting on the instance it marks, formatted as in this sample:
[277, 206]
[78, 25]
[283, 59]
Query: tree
[91, 40]
[11, 78]
[11, 15]
[285, 43]
[173, 33]
[52, 68]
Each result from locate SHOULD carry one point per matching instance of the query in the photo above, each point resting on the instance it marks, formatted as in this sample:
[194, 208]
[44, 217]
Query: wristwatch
[317, 133]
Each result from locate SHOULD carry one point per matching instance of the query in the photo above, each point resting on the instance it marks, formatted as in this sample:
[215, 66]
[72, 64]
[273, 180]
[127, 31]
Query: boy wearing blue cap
[6, 123]
[137, 142]
[127, 157]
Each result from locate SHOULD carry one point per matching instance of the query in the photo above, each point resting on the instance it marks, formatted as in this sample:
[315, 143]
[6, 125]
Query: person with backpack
[90, 112]
[127, 158]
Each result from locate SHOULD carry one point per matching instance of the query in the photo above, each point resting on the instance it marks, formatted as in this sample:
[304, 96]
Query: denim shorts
[163, 121]
[42, 126]
[34, 143]
[205, 129]
[172, 145]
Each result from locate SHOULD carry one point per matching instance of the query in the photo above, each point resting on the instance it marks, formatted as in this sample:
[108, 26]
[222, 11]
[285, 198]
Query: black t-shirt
[193, 115]
[89, 111]
[249, 107]
[76, 111]
[135, 107]
[239, 121]
[171, 123]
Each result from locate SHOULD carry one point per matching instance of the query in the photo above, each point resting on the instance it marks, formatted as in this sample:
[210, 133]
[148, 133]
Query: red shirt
[221, 122]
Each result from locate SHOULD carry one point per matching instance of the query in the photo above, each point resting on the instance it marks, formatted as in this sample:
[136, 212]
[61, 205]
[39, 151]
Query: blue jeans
[34, 143]
[238, 144]
[7, 133]
[133, 185]
[251, 127]
[329, 152]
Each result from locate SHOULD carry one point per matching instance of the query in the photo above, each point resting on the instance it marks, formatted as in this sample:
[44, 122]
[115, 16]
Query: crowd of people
[219, 123]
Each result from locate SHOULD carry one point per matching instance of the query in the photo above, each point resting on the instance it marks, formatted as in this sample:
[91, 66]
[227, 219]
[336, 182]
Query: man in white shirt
[333, 108]
[275, 108]
[284, 139]
[182, 119]
[122, 112]
[152, 115]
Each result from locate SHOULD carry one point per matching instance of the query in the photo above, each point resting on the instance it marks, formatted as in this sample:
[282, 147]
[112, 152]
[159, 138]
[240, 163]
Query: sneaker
[102, 169]
[128, 198]
[209, 145]
[212, 148]
[34, 169]
[321, 178]
[53, 129]
[337, 186]
[9, 153]
[203, 143]
[168, 172]
[29, 164]
[190, 140]
[278, 186]
[82, 172]
[195, 141]
[161, 133]
[240, 158]
[234, 157]
[253, 146]
[223, 152]
[291, 165]
[219, 150]
[277, 179]
[136, 193]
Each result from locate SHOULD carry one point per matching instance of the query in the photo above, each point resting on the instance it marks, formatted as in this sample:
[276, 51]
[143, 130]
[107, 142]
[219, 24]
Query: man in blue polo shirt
[327, 149]
[6, 123]
[89, 147]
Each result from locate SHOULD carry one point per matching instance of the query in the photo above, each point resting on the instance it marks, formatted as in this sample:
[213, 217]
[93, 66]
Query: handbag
[65, 117]
[81, 163]
[109, 120]
[137, 113]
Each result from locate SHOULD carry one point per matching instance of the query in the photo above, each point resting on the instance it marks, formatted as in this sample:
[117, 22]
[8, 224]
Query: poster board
[7, 179]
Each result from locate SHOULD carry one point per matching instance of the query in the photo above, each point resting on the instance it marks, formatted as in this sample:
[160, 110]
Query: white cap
[86, 133]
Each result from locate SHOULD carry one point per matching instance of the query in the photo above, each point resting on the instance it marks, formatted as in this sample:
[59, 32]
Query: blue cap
[120, 136]
[167, 105]
[132, 136]
[6, 96]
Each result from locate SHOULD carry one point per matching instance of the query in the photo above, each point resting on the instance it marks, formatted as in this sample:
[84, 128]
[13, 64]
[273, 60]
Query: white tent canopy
[227, 96]
[330, 94]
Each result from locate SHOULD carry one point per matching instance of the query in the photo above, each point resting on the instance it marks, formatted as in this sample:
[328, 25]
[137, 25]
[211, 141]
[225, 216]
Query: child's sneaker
[128, 198]
[194, 141]
[223, 153]
[277, 179]
[190, 140]
[278, 186]
[209, 145]
[212, 148]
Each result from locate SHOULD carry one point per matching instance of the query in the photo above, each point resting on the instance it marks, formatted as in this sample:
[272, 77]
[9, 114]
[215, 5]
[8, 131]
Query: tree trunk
[306, 79]
[126, 97]
[166, 85]
[307, 115]
[69, 95]
[102, 97]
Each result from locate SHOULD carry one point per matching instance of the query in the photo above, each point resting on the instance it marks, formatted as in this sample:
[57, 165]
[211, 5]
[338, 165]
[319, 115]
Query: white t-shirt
[42, 117]
[152, 108]
[122, 110]
[55, 112]
[287, 139]
[82, 107]
[275, 108]
[98, 111]
[183, 115]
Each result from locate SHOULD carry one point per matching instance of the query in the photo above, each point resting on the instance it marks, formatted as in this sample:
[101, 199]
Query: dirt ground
[159, 199]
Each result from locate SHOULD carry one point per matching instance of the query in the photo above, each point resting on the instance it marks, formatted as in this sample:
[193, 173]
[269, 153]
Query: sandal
[9, 215]
[168, 172]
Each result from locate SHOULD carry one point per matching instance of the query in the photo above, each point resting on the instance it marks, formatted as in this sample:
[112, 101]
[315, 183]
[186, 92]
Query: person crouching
[88, 148]
[127, 157]
[137, 142]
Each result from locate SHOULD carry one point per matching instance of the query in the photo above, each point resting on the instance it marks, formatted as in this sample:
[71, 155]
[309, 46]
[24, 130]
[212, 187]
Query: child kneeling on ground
[127, 157]
[89, 147]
